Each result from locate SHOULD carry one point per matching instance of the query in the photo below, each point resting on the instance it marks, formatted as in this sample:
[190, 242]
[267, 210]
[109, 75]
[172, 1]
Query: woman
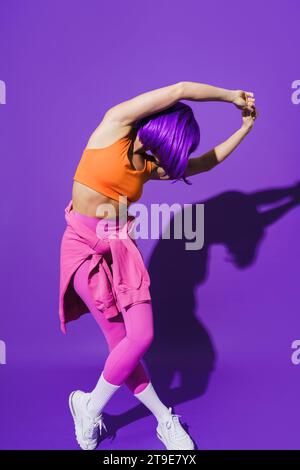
[102, 270]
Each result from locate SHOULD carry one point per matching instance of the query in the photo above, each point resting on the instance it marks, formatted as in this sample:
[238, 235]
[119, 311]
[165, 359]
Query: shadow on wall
[182, 346]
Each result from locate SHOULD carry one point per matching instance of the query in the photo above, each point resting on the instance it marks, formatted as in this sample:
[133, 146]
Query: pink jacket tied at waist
[115, 281]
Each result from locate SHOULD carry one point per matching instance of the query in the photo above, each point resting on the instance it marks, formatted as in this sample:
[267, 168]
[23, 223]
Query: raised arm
[218, 154]
[151, 102]
[194, 91]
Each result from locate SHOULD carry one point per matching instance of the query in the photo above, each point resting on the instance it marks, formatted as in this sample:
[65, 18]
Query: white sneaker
[87, 428]
[172, 434]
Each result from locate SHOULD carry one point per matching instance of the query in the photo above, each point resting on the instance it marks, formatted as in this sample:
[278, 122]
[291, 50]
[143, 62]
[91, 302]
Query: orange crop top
[108, 170]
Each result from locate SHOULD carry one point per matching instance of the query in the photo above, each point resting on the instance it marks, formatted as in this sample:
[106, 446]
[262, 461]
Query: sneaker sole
[169, 448]
[71, 405]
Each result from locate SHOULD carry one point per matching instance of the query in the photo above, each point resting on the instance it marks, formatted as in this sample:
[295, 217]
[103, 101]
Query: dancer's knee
[144, 341]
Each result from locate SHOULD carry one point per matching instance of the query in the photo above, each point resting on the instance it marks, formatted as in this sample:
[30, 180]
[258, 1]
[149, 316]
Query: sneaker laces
[174, 426]
[97, 423]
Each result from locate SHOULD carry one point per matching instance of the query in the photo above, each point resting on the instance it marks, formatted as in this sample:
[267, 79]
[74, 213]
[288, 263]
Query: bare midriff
[89, 202]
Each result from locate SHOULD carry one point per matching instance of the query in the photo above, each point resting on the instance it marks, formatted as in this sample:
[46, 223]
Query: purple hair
[172, 135]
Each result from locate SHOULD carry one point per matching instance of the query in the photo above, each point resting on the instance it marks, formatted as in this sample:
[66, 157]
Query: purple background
[224, 327]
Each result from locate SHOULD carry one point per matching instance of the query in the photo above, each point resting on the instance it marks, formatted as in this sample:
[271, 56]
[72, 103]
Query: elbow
[216, 157]
[181, 87]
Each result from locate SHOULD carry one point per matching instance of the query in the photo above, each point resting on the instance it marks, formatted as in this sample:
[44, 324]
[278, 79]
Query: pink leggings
[128, 335]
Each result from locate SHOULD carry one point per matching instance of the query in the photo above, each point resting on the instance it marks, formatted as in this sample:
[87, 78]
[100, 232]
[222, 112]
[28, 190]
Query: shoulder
[108, 132]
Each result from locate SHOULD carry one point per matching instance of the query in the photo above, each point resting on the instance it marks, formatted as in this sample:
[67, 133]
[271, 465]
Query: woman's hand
[244, 100]
[248, 118]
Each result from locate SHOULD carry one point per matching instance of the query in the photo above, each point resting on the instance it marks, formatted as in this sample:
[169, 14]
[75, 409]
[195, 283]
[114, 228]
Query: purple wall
[222, 353]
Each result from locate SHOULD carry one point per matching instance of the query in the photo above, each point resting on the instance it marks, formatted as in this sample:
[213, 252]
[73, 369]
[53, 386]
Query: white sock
[150, 399]
[100, 396]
